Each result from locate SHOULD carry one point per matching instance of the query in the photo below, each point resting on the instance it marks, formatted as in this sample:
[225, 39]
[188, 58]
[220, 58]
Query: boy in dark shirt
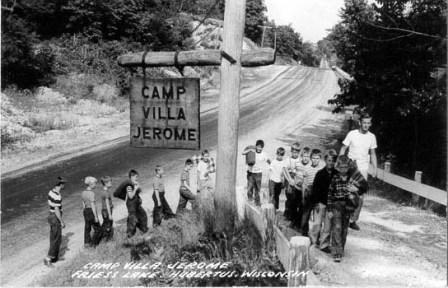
[318, 199]
[137, 217]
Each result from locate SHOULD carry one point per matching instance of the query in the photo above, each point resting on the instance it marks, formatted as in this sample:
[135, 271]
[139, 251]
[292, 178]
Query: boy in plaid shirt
[343, 198]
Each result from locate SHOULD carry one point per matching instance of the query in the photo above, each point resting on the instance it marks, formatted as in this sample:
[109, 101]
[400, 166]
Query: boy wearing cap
[90, 214]
[161, 206]
[106, 210]
[55, 221]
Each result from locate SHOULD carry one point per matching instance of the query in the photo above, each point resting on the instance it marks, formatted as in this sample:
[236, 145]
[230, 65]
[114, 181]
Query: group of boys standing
[332, 192]
[129, 191]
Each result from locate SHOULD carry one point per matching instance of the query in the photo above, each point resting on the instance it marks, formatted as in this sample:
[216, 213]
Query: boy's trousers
[318, 215]
[137, 219]
[254, 186]
[55, 236]
[274, 192]
[326, 230]
[293, 199]
[339, 228]
[89, 219]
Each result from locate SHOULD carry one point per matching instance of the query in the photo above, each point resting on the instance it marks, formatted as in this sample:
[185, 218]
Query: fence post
[268, 211]
[387, 165]
[299, 261]
[417, 178]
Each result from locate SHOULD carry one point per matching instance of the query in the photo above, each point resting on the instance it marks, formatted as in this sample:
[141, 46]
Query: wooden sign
[165, 113]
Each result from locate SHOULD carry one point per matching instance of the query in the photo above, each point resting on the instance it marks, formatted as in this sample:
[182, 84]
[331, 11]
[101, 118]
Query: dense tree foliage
[396, 52]
[255, 18]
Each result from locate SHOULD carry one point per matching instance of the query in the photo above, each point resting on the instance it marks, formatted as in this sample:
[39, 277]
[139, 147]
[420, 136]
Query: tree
[392, 49]
[255, 18]
[23, 65]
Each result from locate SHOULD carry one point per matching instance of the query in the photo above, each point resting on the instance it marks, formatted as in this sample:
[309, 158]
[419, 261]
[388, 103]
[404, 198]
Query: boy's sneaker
[47, 262]
[354, 226]
[337, 258]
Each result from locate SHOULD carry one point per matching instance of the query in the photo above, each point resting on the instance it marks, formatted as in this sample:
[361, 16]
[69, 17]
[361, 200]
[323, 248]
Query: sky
[310, 18]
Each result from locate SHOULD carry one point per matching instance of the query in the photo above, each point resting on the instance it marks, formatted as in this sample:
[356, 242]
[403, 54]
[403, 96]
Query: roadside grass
[75, 101]
[158, 245]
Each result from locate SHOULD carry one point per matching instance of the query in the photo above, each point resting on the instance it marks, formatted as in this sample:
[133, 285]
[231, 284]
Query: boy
[137, 217]
[310, 173]
[319, 201]
[276, 177]
[254, 173]
[342, 193]
[161, 206]
[55, 221]
[90, 214]
[185, 189]
[106, 210]
[300, 173]
[361, 145]
[206, 166]
[291, 190]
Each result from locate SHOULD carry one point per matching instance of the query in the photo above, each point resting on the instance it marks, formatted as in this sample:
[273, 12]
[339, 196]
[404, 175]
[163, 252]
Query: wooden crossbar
[423, 190]
[249, 58]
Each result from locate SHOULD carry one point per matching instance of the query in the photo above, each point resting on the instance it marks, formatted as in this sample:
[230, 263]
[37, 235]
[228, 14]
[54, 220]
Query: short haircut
[331, 153]
[188, 162]
[205, 152]
[105, 179]
[132, 172]
[316, 152]
[295, 146]
[306, 150]
[343, 160]
[281, 151]
[260, 143]
[158, 167]
[364, 115]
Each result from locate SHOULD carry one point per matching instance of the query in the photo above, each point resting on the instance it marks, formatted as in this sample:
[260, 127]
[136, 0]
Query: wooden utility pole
[264, 31]
[228, 116]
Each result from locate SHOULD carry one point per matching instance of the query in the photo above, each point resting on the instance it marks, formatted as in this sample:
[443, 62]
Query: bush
[41, 122]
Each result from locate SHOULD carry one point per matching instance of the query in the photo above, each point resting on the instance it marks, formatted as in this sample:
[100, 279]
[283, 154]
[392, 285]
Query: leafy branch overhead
[396, 52]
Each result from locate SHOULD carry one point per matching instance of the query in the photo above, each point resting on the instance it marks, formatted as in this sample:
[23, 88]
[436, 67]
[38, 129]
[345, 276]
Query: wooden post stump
[387, 166]
[417, 178]
[268, 212]
[299, 261]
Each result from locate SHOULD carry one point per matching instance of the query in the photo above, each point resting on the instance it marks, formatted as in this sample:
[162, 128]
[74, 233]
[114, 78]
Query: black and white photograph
[238, 143]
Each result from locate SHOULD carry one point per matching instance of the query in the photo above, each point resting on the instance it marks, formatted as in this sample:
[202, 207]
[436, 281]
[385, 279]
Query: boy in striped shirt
[55, 221]
[310, 173]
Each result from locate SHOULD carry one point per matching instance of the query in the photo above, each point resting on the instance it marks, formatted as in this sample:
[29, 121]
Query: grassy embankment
[181, 239]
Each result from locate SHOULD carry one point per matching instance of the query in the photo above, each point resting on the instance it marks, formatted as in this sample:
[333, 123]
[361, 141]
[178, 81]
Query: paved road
[24, 208]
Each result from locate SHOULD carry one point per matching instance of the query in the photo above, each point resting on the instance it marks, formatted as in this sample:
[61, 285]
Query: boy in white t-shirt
[254, 172]
[291, 190]
[276, 177]
[361, 145]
